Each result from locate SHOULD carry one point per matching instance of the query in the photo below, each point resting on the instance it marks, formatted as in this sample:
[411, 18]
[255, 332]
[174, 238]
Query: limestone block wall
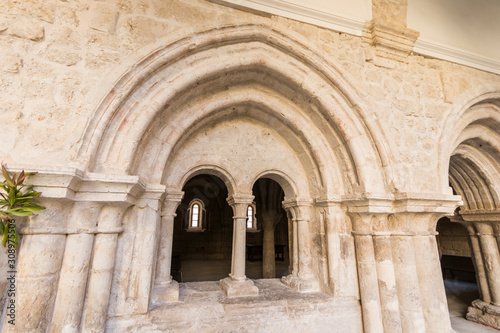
[68, 67]
[62, 57]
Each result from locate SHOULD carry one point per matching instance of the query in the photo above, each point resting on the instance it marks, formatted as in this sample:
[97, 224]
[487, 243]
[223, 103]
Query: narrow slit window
[249, 217]
[196, 216]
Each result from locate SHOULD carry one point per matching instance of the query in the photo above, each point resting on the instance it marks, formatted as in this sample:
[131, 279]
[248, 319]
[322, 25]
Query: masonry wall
[61, 57]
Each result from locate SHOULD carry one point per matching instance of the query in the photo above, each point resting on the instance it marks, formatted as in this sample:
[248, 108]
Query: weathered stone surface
[26, 28]
[160, 92]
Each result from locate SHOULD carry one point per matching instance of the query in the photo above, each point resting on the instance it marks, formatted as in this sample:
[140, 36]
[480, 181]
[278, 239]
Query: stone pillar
[237, 285]
[38, 265]
[491, 259]
[484, 227]
[75, 268]
[165, 289]
[291, 244]
[433, 295]
[303, 280]
[482, 281]
[103, 263]
[269, 220]
[367, 276]
[400, 281]
[410, 303]
[391, 315]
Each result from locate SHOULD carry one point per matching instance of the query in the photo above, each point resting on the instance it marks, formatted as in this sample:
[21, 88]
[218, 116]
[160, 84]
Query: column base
[302, 285]
[234, 288]
[165, 293]
[484, 313]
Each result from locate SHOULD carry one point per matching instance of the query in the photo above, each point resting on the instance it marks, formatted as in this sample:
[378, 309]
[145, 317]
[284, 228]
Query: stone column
[165, 289]
[269, 220]
[410, 303]
[75, 268]
[291, 244]
[491, 259]
[103, 263]
[386, 276]
[482, 281]
[484, 229]
[303, 280]
[433, 295]
[400, 281]
[368, 281]
[237, 285]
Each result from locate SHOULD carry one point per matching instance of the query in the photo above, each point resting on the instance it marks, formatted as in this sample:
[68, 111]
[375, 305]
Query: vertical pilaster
[303, 280]
[432, 293]
[101, 273]
[391, 315]
[75, 268]
[410, 303]
[165, 289]
[491, 259]
[237, 285]
[482, 280]
[269, 220]
[368, 283]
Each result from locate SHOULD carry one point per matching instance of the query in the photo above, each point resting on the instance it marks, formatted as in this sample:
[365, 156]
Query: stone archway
[474, 173]
[237, 102]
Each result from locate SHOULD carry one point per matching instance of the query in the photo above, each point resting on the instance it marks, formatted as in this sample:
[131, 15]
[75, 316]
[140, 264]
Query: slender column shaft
[239, 246]
[368, 284]
[410, 303]
[290, 243]
[387, 284]
[491, 261]
[433, 295]
[75, 269]
[482, 280]
[101, 276]
[268, 253]
[295, 266]
[38, 266]
[164, 263]
[304, 249]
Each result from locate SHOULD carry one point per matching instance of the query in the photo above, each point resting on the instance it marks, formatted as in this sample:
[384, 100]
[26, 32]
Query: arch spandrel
[146, 91]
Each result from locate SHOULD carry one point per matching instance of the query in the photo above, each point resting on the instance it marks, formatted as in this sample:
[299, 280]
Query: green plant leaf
[5, 234]
[12, 196]
[21, 178]
[32, 208]
[8, 180]
[21, 213]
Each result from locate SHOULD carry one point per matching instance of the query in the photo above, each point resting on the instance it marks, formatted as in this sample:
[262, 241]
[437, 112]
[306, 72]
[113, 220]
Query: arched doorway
[203, 231]
[267, 242]
[473, 148]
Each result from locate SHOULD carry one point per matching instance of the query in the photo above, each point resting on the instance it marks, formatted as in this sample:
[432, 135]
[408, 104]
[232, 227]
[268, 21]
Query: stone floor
[460, 295]
[203, 307]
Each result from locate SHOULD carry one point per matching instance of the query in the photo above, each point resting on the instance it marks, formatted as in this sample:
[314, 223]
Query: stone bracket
[390, 42]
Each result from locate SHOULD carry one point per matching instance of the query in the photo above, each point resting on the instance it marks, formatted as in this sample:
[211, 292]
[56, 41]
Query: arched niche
[219, 72]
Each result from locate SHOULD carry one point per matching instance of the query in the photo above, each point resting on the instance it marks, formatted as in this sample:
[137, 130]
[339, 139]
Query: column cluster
[484, 236]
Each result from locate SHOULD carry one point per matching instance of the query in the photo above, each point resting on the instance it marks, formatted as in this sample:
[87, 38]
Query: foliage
[16, 199]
